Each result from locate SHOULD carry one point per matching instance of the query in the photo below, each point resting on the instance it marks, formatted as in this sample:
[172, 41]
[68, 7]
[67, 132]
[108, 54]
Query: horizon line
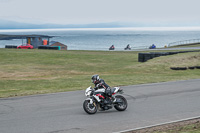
[173, 28]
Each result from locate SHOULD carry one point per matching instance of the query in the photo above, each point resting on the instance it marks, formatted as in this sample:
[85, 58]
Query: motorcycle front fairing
[88, 91]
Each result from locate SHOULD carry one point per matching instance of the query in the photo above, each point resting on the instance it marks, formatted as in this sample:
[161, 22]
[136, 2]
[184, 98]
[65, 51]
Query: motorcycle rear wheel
[123, 105]
[89, 108]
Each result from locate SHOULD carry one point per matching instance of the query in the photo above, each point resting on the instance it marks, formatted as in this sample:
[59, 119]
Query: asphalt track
[149, 104]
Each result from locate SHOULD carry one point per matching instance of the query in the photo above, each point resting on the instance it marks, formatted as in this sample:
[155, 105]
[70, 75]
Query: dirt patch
[172, 127]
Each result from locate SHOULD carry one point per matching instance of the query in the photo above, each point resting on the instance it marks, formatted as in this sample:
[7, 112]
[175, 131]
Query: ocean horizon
[103, 38]
[195, 28]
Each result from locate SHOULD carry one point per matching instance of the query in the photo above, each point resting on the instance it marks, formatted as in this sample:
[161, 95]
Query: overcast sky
[101, 11]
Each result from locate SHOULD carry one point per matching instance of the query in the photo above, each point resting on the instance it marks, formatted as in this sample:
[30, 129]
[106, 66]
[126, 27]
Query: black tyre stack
[143, 57]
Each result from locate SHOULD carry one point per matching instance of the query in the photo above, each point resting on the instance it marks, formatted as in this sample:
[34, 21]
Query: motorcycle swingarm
[118, 101]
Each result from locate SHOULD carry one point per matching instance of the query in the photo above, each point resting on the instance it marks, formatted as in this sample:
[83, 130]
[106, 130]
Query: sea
[103, 38]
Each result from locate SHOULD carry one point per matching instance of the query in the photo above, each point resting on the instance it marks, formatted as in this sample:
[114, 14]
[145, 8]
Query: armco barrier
[143, 57]
[48, 47]
[10, 46]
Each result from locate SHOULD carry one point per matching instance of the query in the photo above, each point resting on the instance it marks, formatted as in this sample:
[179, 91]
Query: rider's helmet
[95, 79]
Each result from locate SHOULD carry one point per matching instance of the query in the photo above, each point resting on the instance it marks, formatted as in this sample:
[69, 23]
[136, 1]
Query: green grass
[27, 72]
[190, 128]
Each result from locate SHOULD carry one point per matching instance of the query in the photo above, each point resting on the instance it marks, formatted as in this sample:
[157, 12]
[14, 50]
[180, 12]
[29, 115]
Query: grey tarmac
[148, 104]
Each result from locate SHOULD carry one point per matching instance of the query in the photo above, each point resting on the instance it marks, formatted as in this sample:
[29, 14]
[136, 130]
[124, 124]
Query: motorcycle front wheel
[122, 104]
[89, 108]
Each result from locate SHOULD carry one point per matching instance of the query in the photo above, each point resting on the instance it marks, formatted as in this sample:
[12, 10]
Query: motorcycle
[127, 48]
[98, 100]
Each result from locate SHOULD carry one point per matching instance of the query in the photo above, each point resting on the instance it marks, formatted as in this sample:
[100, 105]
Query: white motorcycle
[98, 100]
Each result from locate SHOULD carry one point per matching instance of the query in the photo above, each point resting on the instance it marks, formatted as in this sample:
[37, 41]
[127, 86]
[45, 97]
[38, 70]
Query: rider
[128, 46]
[100, 83]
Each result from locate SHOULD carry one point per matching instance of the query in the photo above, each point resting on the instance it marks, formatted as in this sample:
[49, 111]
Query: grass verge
[28, 72]
[187, 126]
